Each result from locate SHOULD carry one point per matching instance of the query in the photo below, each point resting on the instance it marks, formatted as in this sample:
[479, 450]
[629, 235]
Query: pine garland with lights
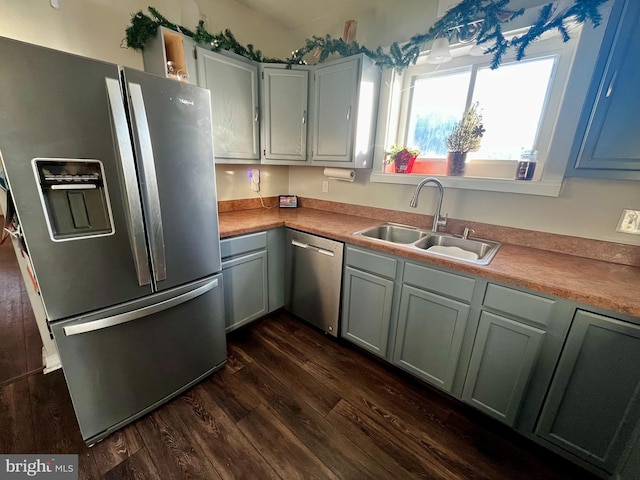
[493, 13]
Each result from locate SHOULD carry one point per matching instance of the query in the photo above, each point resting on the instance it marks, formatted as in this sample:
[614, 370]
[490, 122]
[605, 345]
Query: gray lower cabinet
[429, 337]
[593, 404]
[503, 358]
[367, 299]
[516, 348]
[252, 276]
[245, 289]
[630, 467]
[366, 310]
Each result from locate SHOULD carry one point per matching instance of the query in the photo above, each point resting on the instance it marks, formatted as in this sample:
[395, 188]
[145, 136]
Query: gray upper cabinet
[233, 82]
[284, 96]
[345, 103]
[503, 358]
[608, 146]
[593, 404]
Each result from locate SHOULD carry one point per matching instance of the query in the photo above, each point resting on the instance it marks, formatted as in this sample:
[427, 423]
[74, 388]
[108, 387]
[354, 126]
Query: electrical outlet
[325, 186]
[629, 222]
[254, 177]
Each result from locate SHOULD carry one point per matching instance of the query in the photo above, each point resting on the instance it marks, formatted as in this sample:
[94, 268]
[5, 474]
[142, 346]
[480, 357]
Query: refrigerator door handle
[94, 325]
[134, 208]
[156, 234]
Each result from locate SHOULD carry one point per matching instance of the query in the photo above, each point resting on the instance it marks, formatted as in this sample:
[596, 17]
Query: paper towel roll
[340, 174]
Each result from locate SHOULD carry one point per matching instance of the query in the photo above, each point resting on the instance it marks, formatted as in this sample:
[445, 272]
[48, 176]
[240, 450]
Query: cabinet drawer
[371, 262]
[230, 247]
[448, 284]
[520, 304]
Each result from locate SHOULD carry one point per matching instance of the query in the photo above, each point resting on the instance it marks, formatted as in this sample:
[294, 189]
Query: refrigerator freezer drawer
[120, 371]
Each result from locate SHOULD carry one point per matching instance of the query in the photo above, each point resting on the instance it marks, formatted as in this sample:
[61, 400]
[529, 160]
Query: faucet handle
[466, 232]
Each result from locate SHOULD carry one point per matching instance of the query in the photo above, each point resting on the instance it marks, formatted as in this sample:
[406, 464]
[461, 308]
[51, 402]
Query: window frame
[571, 76]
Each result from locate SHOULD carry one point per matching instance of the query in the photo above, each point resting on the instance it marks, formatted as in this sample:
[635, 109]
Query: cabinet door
[335, 108]
[366, 310]
[430, 334]
[234, 104]
[284, 123]
[503, 357]
[607, 143]
[245, 289]
[630, 469]
[594, 399]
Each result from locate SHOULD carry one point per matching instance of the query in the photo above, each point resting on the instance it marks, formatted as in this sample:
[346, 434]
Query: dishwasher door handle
[296, 243]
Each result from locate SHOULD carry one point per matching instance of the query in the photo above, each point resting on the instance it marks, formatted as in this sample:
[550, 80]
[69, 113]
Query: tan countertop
[594, 282]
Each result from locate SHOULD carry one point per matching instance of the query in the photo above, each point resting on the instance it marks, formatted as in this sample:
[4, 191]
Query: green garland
[494, 14]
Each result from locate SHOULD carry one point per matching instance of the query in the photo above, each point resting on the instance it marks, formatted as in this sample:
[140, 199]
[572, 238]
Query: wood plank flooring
[20, 344]
[290, 403]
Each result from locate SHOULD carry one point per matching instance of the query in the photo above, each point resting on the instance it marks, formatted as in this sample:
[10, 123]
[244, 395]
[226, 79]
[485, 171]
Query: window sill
[542, 188]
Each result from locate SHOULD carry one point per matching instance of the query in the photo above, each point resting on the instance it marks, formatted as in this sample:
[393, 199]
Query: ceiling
[294, 14]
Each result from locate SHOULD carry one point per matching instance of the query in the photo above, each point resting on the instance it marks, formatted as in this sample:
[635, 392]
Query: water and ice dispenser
[74, 197]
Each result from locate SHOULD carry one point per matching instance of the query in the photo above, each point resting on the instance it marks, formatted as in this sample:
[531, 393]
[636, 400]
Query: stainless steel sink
[471, 250]
[476, 251]
[394, 233]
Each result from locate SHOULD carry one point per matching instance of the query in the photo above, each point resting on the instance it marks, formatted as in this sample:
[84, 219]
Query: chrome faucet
[437, 221]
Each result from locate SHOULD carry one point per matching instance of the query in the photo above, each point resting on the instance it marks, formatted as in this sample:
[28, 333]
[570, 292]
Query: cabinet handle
[349, 113]
[611, 84]
[304, 117]
[257, 115]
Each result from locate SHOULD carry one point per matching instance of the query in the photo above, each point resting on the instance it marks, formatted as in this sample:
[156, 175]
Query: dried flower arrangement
[466, 136]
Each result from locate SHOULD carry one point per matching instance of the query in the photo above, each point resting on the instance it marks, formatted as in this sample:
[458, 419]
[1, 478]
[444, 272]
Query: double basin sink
[472, 250]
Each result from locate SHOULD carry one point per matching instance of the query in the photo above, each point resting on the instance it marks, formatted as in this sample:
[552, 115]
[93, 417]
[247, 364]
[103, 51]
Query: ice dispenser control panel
[74, 198]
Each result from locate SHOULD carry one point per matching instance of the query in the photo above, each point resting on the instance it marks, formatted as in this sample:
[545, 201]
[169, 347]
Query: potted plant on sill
[464, 138]
[402, 158]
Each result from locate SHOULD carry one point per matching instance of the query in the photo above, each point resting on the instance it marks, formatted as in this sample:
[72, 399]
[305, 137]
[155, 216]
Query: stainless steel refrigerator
[112, 175]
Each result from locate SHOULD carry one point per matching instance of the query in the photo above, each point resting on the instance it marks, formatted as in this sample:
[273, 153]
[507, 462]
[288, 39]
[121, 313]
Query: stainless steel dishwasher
[313, 278]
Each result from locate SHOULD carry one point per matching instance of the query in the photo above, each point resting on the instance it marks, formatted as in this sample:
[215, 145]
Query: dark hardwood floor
[20, 344]
[290, 403]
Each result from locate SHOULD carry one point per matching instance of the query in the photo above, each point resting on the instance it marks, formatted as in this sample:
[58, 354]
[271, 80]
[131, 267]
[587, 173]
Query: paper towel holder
[342, 174]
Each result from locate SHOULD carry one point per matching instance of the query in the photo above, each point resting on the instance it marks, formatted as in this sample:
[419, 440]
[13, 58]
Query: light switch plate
[629, 222]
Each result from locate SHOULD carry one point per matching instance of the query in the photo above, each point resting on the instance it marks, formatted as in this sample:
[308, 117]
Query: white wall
[585, 208]
[96, 28]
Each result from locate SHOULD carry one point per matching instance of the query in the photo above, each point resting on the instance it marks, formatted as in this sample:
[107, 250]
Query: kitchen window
[530, 109]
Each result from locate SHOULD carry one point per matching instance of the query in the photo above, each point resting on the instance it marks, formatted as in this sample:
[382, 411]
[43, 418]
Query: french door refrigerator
[112, 175]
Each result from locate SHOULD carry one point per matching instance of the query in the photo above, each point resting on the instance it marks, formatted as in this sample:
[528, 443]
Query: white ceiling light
[439, 51]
